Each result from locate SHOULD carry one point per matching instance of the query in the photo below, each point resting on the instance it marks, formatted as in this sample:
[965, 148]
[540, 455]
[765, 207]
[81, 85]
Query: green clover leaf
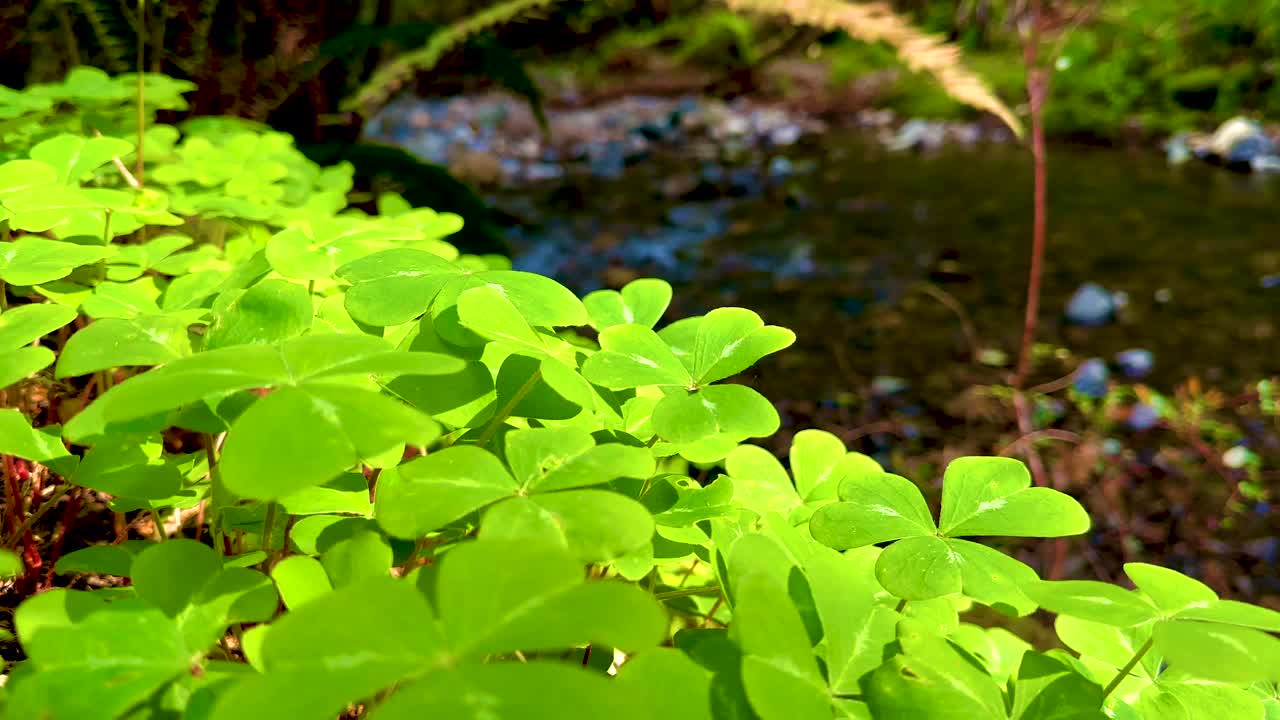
[698, 419]
[1187, 623]
[542, 496]
[980, 496]
[819, 463]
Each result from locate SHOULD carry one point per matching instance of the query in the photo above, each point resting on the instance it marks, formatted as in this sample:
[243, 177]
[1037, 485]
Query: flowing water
[837, 254]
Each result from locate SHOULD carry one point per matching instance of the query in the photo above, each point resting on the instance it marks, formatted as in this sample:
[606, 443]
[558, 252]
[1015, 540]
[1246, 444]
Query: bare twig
[124, 171]
[1050, 434]
[966, 325]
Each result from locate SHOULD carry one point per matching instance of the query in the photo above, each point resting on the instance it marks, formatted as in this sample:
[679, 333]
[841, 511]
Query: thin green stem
[492, 428]
[157, 517]
[268, 525]
[215, 485]
[686, 592]
[5, 236]
[711, 614]
[142, 110]
[902, 605]
[689, 572]
[1129, 666]
[34, 517]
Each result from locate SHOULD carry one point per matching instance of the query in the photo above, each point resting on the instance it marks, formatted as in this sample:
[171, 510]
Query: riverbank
[600, 122]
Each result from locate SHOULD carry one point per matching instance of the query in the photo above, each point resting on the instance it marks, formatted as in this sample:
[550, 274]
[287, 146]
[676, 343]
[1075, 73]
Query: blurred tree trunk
[15, 51]
[260, 59]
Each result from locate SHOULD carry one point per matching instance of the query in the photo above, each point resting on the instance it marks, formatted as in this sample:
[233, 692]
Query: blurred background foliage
[1125, 65]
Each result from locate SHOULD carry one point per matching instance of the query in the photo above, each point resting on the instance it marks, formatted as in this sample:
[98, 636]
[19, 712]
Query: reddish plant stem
[27, 472]
[1037, 90]
[1022, 411]
[17, 509]
[12, 513]
[1037, 86]
[69, 514]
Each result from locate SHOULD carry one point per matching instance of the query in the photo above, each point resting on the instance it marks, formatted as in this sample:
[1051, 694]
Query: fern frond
[200, 31]
[392, 76]
[114, 40]
[876, 22]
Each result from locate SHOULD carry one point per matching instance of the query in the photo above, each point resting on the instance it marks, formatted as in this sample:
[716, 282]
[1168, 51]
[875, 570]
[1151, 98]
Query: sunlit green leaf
[512, 691]
[993, 496]
[1090, 600]
[919, 568]
[298, 437]
[779, 671]
[300, 579]
[10, 564]
[1224, 653]
[931, 679]
[31, 260]
[117, 342]
[74, 156]
[1047, 689]
[429, 492]
[268, 312]
[594, 525]
[874, 508]
[641, 302]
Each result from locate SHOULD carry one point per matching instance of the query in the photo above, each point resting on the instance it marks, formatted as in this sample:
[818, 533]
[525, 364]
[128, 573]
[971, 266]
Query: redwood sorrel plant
[427, 485]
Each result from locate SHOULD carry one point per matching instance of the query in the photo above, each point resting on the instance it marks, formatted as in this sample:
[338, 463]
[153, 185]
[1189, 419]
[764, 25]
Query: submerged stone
[1091, 378]
[885, 385]
[1091, 306]
[780, 167]
[1135, 364]
[1143, 417]
[1240, 141]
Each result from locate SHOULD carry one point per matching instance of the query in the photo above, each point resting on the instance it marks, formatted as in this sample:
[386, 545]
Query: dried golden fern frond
[392, 76]
[875, 22]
